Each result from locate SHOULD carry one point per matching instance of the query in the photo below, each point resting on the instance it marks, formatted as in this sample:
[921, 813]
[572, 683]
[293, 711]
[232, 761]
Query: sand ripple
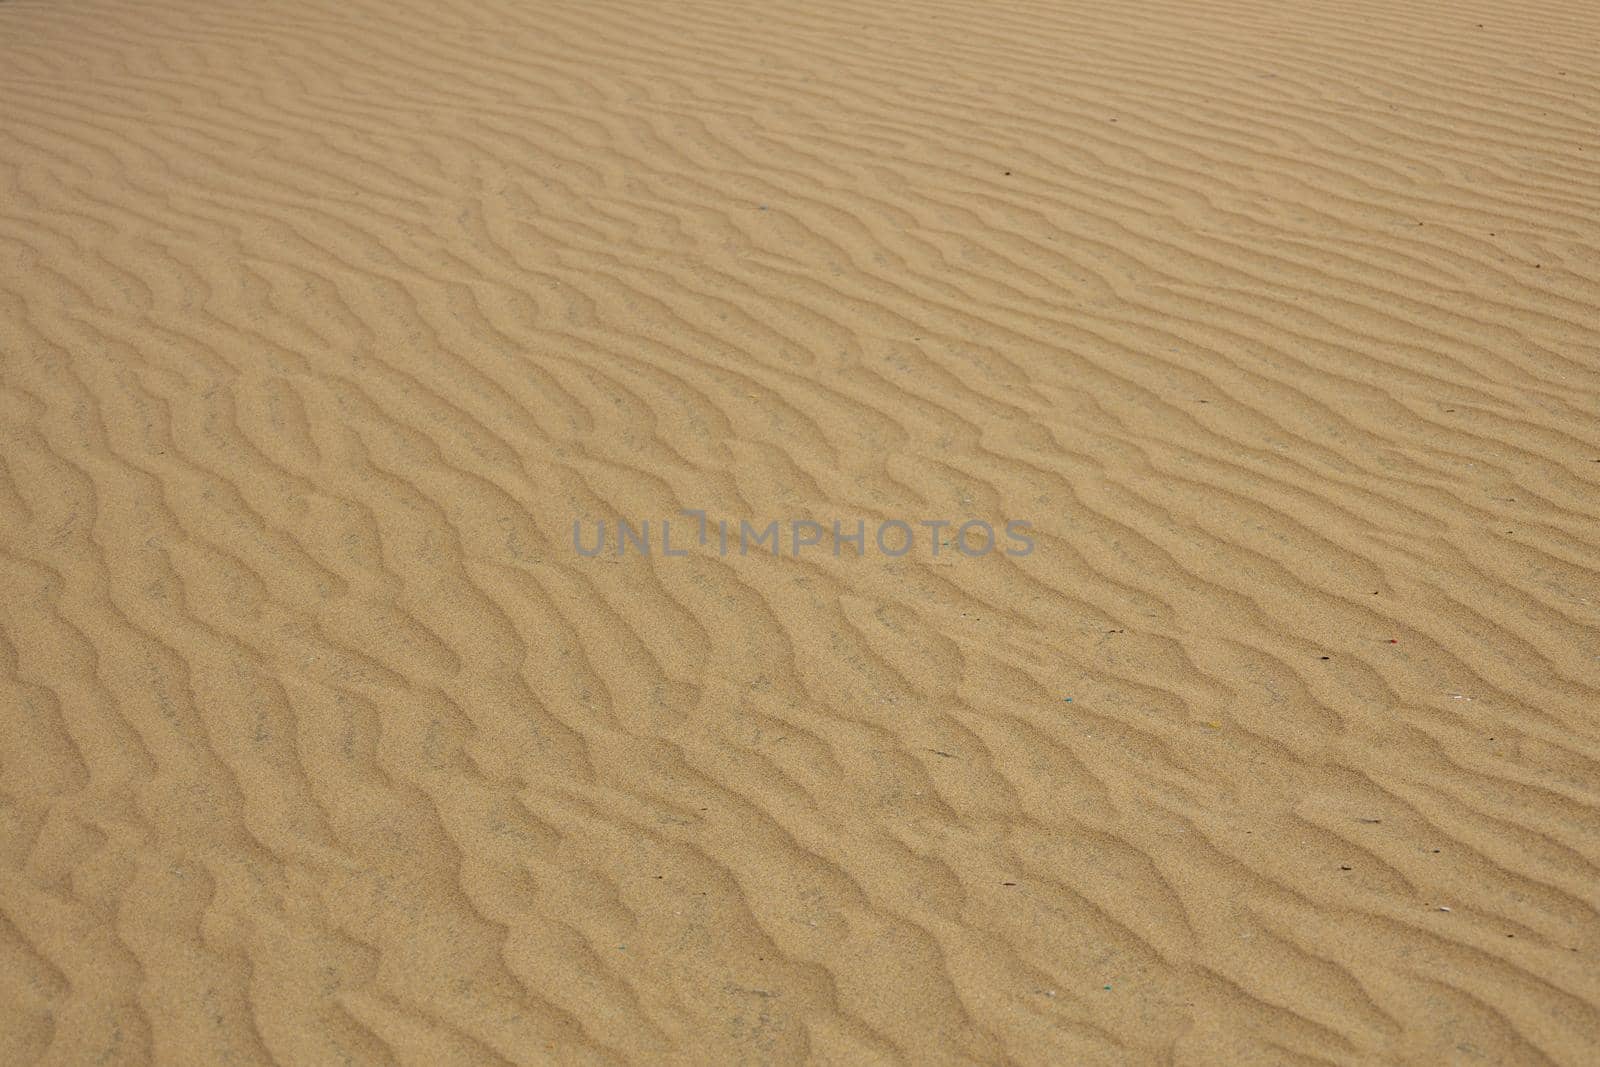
[320, 324]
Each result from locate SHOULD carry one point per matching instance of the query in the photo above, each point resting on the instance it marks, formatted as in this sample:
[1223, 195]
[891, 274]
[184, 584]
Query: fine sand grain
[322, 323]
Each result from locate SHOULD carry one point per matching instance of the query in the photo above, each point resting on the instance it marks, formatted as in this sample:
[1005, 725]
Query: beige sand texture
[323, 322]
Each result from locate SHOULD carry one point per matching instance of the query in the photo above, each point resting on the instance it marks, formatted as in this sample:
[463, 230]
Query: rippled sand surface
[321, 324]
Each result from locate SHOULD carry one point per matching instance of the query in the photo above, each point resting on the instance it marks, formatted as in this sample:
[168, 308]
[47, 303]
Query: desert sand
[323, 324]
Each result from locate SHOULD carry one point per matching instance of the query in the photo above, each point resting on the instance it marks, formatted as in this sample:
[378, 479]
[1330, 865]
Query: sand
[322, 324]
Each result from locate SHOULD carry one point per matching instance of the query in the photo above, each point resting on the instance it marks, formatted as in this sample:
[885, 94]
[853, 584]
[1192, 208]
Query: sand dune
[321, 325]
